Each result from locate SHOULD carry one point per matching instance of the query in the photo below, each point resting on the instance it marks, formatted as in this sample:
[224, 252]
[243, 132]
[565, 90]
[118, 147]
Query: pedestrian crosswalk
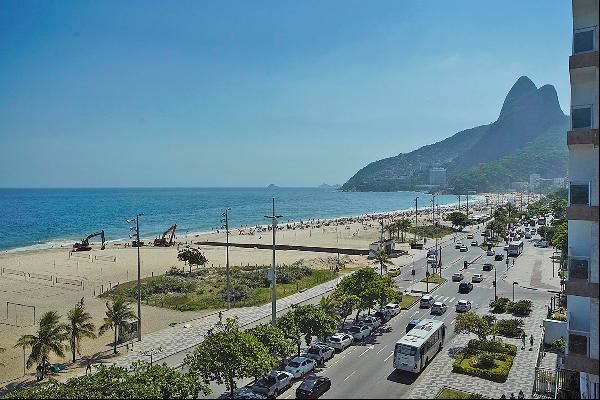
[444, 299]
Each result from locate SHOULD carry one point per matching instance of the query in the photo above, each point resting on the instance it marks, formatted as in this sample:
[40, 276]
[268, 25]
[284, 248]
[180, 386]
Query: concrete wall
[553, 330]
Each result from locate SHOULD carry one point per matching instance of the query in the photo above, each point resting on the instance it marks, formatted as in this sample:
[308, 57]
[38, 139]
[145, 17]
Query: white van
[426, 301]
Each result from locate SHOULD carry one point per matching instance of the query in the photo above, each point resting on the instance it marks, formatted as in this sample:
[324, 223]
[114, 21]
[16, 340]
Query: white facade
[582, 351]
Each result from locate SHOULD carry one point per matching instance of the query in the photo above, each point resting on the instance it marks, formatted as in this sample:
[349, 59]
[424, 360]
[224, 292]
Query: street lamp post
[225, 221]
[513, 287]
[139, 277]
[273, 218]
[495, 284]
[427, 277]
[416, 220]
[412, 272]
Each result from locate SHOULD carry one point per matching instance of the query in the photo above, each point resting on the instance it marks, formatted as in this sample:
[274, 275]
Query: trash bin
[55, 368]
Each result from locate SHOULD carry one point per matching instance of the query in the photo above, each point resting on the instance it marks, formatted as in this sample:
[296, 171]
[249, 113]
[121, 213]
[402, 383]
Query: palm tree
[78, 327]
[383, 259]
[49, 339]
[118, 315]
[403, 225]
[329, 305]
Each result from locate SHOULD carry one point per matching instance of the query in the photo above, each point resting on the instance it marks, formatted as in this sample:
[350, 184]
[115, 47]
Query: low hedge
[521, 308]
[467, 361]
[509, 327]
[499, 306]
[492, 346]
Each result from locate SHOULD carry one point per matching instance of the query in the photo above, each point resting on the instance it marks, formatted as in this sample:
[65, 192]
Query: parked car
[373, 322]
[506, 248]
[477, 278]
[543, 243]
[248, 393]
[438, 308]
[457, 277]
[412, 323]
[499, 257]
[463, 248]
[426, 301]
[490, 252]
[393, 308]
[383, 315]
[457, 245]
[470, 236]
[488, 267]
[273, 384]
[340, 341]
[359, 332]
[430, 259]
[320, 353]
[313, 387]
[474, 243]
[465, 287]
[300, 366]
[463, 306]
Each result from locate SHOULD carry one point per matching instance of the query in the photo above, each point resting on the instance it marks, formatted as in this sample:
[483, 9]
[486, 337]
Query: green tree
[330, 306]
[118, 315]
[141, 381]
[289, 325]
[79, 326]
[458, 219]
[192, 256]
[560, 238]
[363, 285]
[387, 294]
[403, 225]
[470, 322]
[383, 259]
[346, 304]
[273, 339]
[229, 354]
[49, 339]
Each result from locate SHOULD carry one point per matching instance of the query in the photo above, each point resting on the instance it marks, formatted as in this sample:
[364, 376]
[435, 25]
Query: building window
[583, 40]
[581, 117]
[579, 193]
[578, 344]
[578, 269]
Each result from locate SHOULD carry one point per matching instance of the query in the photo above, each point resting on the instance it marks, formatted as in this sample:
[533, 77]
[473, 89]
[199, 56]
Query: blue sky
[247, 93]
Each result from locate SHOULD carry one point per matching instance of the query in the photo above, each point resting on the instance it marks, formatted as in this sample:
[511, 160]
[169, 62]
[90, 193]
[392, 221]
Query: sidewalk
[183, 336]
[533, 270]
[439, 373]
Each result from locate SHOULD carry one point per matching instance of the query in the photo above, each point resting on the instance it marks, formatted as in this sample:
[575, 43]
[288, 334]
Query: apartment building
[582, 283]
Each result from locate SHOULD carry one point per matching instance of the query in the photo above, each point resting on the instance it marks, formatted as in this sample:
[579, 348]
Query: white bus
[515, 248]
[414, 351]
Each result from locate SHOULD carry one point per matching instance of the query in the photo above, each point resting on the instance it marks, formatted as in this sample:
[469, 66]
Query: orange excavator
[85, 243]
[162, 241]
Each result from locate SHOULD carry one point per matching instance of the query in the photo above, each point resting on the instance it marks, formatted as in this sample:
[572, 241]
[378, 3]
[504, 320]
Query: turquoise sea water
[39, 218]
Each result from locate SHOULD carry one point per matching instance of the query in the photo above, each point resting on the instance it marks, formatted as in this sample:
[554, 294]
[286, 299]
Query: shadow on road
[403, 377]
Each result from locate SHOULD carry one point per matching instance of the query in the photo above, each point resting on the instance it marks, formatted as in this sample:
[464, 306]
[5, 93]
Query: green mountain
[528, 137]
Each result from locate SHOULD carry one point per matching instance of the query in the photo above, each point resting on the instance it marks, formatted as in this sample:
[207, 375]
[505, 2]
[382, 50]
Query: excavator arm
[85, 243]
[163, 240]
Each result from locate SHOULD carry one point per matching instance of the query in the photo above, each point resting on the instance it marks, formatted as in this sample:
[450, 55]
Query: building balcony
[582, 212]
[581, 363]
[581, 288]
[583, 60]
[584, 136]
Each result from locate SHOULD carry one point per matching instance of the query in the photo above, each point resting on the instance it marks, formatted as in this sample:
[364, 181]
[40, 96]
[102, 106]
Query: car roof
[426, 297]
[457, 273]
[438, 303]
[298, 359]
[463, 301]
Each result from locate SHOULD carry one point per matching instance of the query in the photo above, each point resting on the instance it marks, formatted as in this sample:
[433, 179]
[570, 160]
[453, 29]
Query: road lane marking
[453, 321]
[452, 299]
[416, 312]
[380, 350]
[346, 378]
[368, 348]
[388, 357]
[445, 299]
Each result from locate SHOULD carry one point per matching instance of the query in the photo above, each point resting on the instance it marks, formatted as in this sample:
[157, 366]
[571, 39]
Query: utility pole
[435, 224]
[381, 246]
[416, 219]
[139, 281]
[459, 202]
[226, 222]
[467, 205]
[273, 218]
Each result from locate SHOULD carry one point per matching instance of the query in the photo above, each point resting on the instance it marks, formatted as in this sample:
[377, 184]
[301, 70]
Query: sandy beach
[25, 281]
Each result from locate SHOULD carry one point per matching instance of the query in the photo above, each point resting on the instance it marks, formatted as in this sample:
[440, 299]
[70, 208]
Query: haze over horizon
[232, 94]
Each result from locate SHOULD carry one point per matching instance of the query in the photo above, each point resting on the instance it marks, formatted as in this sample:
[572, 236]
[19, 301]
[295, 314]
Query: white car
[273, 384]
[320, 353]
[438, 308]
[373, 322]
[463, 306]
[457, 277]
[359, 332]
[470, 236]
[430, 259]
[426, 301]
[457, 245]
[300, 366]
[340, 341]
[477, 278]
[463, 248]
[393, 308]
[474, 243]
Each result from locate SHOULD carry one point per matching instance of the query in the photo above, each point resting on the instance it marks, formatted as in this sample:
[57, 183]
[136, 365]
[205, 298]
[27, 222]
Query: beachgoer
[531, 342]
[521, 395]
[503, 396]
[523, 338]
[512, 395]
[38, 373]
[220, 317]
[88, 366]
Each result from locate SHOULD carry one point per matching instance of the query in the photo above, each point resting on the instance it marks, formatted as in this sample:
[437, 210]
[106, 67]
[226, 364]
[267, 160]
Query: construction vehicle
[162, 241]
[85, 243]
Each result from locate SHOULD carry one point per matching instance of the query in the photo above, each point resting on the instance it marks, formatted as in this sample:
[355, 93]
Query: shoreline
[62, 244]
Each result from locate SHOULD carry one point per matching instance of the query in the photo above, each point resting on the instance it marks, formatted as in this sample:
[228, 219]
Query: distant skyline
[233, 93]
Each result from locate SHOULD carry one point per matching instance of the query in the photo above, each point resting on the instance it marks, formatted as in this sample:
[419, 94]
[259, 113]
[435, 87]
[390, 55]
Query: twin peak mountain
[528, 137]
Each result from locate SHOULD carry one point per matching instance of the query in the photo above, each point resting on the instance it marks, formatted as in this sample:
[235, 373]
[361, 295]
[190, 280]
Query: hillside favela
[276, 199]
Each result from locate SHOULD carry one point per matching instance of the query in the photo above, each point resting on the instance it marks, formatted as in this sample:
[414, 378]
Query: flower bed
[469, 362]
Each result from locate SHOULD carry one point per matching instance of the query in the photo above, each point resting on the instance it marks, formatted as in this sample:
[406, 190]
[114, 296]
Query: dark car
[499, 257]
[313, 387]
[488, 267]
[412, 324]
[465, 287]
[383, 315]
[247, 393]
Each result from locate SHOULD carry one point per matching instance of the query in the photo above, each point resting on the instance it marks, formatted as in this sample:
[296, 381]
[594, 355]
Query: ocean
[45, 218]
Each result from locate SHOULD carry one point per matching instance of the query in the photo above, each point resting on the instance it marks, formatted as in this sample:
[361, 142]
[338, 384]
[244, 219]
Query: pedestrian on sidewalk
[88, 366]
[531, 343]
[220, 317]
[503, 396]
[521, 395]
[523, 338]
[512, 396]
